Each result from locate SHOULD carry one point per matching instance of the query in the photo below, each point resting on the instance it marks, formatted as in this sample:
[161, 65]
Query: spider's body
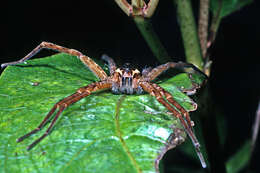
[123, 80]
[126, 81]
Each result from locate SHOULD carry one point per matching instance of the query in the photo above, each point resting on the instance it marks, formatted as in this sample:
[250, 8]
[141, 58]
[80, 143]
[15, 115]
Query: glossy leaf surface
[100, 133]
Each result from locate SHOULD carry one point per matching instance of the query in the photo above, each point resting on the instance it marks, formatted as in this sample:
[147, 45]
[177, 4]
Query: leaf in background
[227, 7]
[240, 159]
[220, 9]
[100, 133]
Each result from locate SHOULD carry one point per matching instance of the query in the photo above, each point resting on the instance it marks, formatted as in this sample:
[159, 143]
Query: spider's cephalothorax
[123, 80]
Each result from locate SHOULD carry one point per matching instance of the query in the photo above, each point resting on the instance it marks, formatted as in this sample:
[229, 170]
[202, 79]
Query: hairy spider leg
[95, 68]
[161, 68]
[170, 99]
[61, 105]
[146, 70]
[148, 87]
[47, 117]
[111, 63]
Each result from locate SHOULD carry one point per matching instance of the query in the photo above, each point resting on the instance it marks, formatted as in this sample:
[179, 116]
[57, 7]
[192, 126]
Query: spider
[123, 80]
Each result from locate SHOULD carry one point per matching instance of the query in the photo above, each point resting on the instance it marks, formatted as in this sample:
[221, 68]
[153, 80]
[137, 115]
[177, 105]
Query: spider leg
[48, 116]
[95, 68]
[148, 87]
[170, 99]
[111, 63]
[61, 105]
[146, 70]
[61, 108]
[192, 90]
[161, 68]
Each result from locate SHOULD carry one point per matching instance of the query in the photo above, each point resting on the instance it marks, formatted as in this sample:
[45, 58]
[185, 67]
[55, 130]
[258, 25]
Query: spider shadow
[57, 69]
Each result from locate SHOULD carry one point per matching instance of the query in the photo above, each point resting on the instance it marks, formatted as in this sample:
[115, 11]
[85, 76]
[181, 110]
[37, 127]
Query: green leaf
[100, 133]
[227, 7]
[240, 159]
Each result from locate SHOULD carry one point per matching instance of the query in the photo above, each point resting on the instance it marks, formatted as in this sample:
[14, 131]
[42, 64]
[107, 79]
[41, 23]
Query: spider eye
[119, 71]
[136, 72]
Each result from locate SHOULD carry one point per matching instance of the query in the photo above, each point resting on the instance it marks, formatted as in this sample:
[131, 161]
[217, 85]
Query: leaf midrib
[119, 134]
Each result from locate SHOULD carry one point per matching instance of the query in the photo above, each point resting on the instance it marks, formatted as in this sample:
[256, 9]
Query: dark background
[101, 27]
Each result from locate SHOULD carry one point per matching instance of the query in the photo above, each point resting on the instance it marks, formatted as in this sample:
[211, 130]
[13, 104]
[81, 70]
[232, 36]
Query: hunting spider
[123, 80]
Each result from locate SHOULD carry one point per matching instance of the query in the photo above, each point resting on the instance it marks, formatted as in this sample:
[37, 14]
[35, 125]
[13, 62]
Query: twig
[214, 25]
[203, 26]
[125, 6]
[255, 128]
[140, 12]
[151, 6]
[151, 38]
[138, 7]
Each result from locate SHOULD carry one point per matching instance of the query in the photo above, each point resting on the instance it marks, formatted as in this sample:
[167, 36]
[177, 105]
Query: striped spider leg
[59, 107]
[166, 99]
[96, 69]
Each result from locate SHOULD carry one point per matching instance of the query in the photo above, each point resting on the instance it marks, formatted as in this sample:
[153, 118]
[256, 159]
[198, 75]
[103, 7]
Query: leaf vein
[119, 134]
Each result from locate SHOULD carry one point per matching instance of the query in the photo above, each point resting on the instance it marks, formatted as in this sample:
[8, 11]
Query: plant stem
[146, 29]
[203, 26]
[207, 114]
[125, 6]
[214, 29]
[151, 6]
[189, 33]
[255, 128]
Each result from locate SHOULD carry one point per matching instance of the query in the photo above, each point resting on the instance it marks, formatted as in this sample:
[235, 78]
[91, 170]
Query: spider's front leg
[154, 73]
[160, 93]
[63, 104]
[95, 68]
[170, 99]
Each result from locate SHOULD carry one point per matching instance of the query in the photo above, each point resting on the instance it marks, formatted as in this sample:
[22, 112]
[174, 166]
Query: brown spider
[123, 80]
